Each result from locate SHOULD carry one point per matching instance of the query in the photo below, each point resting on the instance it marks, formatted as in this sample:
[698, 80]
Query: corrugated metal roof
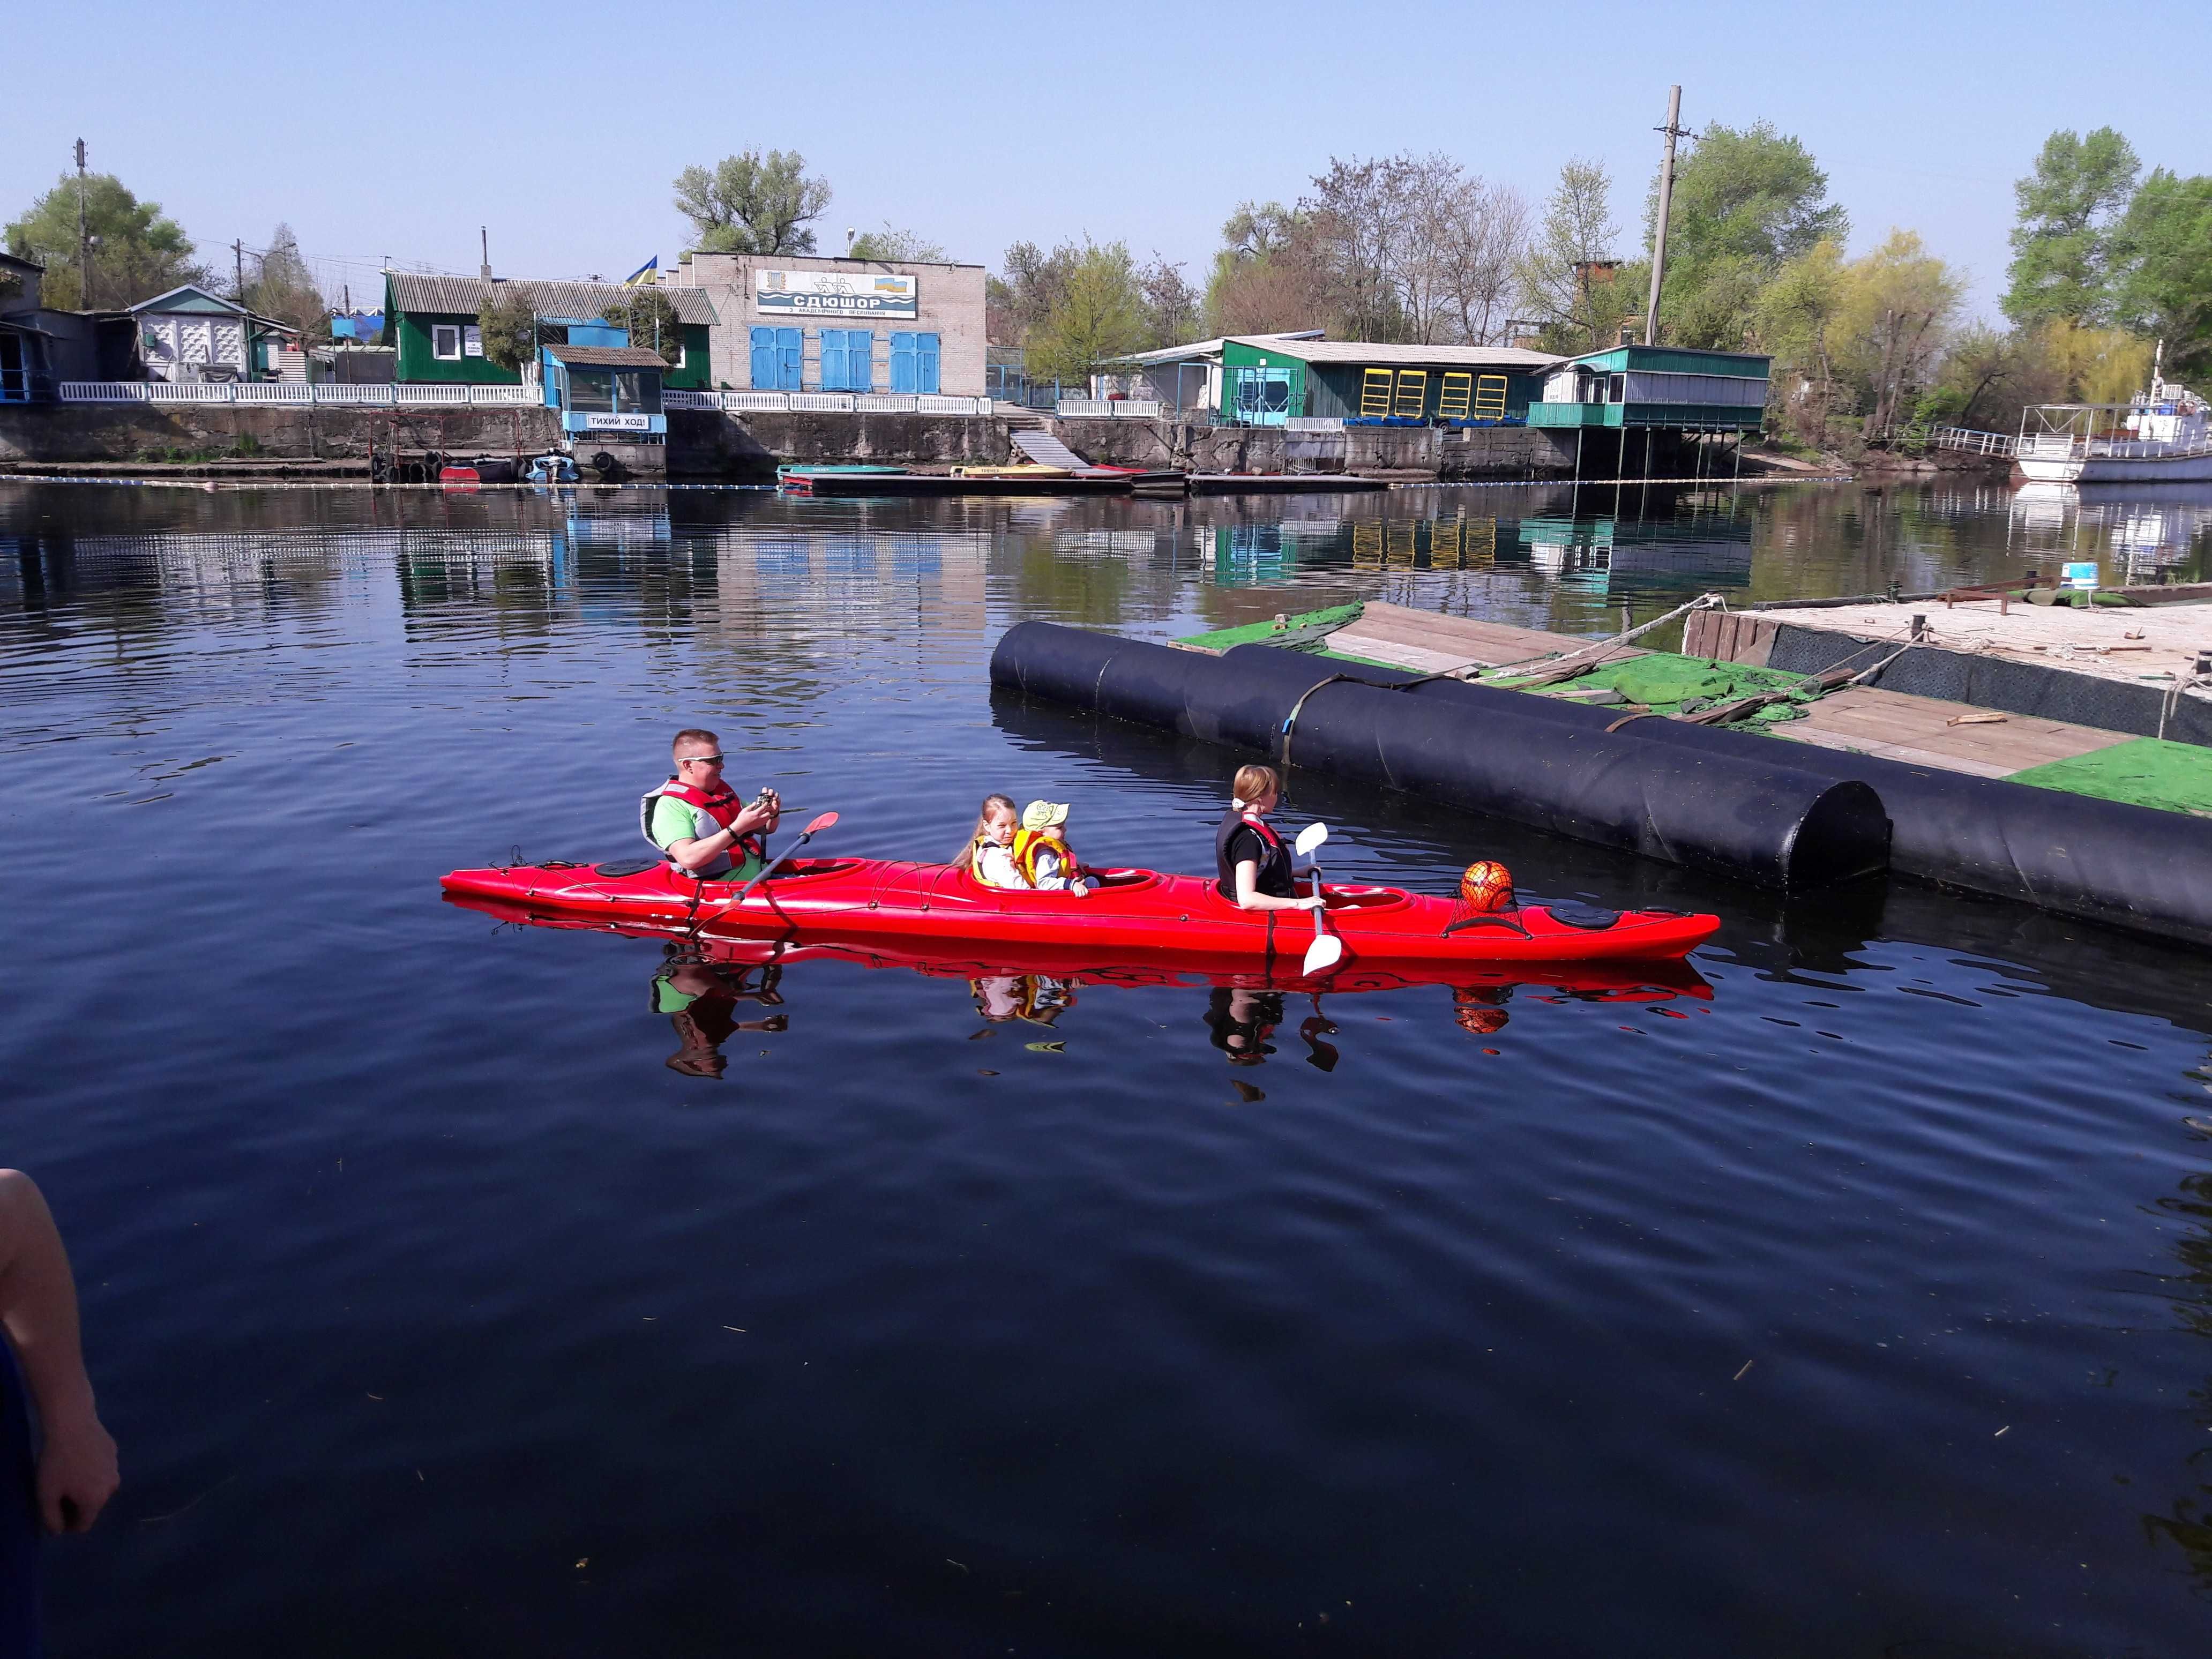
[607, 356]
[1207, 348]
[1364, 351]
[462, 295]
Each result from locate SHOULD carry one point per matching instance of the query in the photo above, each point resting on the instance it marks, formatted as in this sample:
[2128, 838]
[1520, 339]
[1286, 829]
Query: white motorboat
[2163, 436]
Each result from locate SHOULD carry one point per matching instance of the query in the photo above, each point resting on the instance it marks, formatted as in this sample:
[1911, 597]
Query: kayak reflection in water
[701, 1000]
[1037, 998]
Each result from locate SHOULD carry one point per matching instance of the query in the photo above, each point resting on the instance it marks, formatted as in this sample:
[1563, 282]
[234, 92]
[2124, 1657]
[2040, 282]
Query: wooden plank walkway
[1429, 643]
[1890, 724]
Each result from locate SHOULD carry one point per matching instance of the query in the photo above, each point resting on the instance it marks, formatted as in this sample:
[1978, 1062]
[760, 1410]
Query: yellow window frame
[1489, 397]
[1375, 391]
[1453, 397]
[1412, 394]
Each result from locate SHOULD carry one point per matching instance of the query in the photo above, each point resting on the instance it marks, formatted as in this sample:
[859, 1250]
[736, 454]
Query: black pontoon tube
[1751, 819]
[2131, 866]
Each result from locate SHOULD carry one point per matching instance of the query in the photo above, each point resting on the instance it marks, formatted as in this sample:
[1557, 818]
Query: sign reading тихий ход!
[834, 293]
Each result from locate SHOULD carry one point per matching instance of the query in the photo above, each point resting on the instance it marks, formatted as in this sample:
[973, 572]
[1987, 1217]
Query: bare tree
[1365, 214]
[1469, 239]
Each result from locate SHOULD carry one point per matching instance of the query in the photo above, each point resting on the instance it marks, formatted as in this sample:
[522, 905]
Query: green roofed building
[1667, 386]
[1265, 381]
[431, 321]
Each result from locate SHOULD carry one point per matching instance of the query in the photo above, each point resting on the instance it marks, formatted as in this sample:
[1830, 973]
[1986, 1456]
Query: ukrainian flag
[646, 272]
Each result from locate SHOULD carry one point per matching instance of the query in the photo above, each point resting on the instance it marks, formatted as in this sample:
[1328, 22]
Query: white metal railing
[448, 395]
[1314, 423]
[1973, 443]
[292, 392]
[1131, 408]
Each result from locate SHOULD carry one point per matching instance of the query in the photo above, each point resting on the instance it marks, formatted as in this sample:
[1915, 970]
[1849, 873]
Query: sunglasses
[699, 759]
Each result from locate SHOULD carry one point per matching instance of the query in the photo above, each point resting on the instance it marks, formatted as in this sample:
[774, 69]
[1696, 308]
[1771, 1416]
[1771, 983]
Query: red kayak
[1134, 916]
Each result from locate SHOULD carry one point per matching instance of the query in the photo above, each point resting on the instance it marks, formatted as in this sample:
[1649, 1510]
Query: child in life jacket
[989, 856]
[1041, 853]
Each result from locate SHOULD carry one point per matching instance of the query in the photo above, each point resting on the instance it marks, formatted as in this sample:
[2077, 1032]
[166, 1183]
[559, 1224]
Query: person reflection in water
[1242, 1021]
[701, 1000]
[1037, 998]
[1480, 1011]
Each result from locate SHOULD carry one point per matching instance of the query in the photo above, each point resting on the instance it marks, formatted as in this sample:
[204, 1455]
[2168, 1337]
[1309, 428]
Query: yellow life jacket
[1027, 843]
[975, 856]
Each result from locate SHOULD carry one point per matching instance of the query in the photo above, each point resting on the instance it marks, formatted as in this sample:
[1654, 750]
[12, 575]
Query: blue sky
[399, 129]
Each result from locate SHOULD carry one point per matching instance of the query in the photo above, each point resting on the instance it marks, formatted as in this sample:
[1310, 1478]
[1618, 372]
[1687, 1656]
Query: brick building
[796, 322]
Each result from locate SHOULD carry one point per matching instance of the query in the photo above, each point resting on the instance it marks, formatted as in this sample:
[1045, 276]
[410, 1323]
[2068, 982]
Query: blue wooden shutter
[905, 376]
[790, 344]
[833, 360]
[861, 358]
[925, 364]
[763, 355]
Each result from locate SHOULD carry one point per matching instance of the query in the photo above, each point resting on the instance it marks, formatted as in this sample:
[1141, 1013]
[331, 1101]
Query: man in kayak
[698, 821]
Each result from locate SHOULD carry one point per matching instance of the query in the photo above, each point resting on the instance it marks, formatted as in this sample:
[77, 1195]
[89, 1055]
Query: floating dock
[1686, 758]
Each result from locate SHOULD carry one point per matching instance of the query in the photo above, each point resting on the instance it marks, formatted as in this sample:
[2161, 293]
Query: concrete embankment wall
[715, 444]
[130, 432]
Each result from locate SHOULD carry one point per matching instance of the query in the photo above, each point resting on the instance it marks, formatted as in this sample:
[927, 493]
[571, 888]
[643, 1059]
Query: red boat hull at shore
[1138, 916]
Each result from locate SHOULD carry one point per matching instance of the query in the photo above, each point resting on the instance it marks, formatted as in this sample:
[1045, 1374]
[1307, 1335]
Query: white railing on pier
[447, 395]
[1973, 443]
[294, 392]
[1130, 409]
[1314, 423]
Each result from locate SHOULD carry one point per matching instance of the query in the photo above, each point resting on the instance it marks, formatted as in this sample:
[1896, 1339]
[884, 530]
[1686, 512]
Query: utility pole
[1665, 200]
[83, 238]
[484, 231]
[238, 264]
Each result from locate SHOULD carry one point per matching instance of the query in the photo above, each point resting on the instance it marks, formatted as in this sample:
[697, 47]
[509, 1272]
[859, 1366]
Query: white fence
[1314, 423]
[502, 397]
[294, 393]
[829, 402]
[1133, 409]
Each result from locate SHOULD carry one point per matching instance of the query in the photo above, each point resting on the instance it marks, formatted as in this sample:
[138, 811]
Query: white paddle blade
[1323, 954]
[1310, 837]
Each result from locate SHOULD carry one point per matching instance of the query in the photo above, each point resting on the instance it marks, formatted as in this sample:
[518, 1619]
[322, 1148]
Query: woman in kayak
[989, 856]
[1254, 862]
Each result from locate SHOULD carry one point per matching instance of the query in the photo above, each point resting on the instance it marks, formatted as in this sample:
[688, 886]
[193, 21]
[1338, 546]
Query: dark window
[592, 391]
[637, 390]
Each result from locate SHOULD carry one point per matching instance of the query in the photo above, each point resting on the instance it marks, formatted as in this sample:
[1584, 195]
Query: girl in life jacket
[697, 822]
[1041, 853]
[1252, 862]
[989, 855]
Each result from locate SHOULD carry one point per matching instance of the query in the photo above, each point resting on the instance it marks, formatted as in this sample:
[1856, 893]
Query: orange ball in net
[1487, 885]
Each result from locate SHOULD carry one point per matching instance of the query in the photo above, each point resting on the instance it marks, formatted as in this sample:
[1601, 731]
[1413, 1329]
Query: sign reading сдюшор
[835, 293]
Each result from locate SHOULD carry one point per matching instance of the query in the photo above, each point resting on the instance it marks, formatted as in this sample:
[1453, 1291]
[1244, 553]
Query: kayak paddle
[1327, 949]
[828, 820]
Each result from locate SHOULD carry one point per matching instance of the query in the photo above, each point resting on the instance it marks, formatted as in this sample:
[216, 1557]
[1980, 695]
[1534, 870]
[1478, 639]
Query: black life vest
[1273, 876]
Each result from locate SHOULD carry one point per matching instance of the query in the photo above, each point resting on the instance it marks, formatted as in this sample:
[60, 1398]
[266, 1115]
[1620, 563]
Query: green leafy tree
[891, 247]
[752, 203]
[1571, 282]
[508, 326]
[137, 252]
[2069, 209]
[1893, 323]
[1747, 203]
[1099, 314]
[2164, 247]
[650, 316]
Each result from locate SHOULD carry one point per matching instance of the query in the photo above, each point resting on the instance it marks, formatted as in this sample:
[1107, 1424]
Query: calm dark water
[1862, 1305]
